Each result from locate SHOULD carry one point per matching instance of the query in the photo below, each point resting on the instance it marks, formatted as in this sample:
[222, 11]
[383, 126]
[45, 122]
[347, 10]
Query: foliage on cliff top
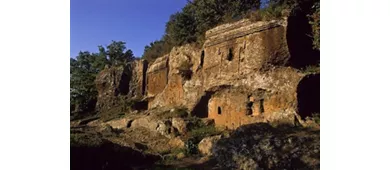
[198, 16]
[84, 69]
[190, 24]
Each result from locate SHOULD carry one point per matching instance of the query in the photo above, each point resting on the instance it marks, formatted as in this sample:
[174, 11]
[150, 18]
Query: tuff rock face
[243, 74]
[120, 83]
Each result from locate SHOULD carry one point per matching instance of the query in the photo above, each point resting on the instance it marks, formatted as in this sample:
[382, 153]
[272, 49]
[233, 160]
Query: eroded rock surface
[243, 74]
[259, 146]
[205, 145]
[118, 84]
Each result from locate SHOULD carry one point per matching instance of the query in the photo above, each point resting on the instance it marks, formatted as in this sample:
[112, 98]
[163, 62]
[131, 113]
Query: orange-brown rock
[246, 72]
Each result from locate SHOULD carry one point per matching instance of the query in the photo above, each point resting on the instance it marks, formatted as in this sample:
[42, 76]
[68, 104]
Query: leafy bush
[191, 147]
[176, 112]
[180, 112]
[190, 24]
[316, 117]
[156, 49]
[200, 132]
[271, 12]
[312, 69]
[84, 69]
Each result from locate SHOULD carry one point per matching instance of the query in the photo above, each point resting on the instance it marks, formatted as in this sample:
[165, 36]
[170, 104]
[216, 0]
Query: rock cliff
[246, 72]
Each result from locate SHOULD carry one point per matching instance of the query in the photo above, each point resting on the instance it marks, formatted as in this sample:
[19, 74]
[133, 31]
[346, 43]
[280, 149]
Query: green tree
[190, 24]
[210, 13]
[156, 49]
[116, 53]
[181, 27]
[83, 71]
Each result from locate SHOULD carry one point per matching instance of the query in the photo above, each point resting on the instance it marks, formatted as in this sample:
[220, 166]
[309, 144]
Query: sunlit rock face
[242, 74]
[120, 83]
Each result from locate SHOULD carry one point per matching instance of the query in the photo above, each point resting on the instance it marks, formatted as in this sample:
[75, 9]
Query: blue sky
[137, 22]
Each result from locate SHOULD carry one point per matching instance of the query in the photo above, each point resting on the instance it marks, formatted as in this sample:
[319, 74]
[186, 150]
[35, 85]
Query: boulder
[208, 122]
[180, 124]
[205, 145]
[180, 155]
[176, 143]
[161, 126]
[119, 123]
[106, 130]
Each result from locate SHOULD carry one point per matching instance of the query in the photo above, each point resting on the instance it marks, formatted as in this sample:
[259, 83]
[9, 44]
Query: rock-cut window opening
[249, 108]
[201, 59]
[230, 54]
[219, 110]
[261, 106]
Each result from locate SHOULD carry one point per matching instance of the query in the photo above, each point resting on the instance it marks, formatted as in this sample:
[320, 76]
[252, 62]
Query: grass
[312, 69]
[85, 140]
[170, 156]
[205, 131]
[113, 113]
[177, 112]
[316, 117]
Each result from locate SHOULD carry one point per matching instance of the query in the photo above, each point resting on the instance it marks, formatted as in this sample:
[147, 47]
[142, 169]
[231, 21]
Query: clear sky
[136, 22]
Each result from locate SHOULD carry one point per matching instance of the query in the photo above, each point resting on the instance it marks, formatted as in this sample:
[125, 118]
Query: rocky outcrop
[120, 123]
[120, 83]
[243, 74]
[259, 145]
[180, 124]
[206, 144]
[176, 143]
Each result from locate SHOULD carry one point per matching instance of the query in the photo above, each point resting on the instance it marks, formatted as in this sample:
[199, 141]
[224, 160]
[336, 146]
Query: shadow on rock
[108, 156]
[261, 146]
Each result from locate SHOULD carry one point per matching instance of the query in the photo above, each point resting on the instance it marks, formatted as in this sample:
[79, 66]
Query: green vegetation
[191, 147]
[198, 130]
[190, 24]
[187, 26]
[312, 69]
[83, 71]
[85, 140]
[157, 49]
[316, 117]
[119, 111]
[177, 112]
[204, 131]
[271, 12]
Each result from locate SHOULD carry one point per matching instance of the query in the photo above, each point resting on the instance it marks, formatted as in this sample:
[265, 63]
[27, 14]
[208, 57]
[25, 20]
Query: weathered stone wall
[232, 108]
[247, 49]
[157, 76]
[247, 56]
[115, 84]
[138, 83]
[241, 75]
[110, 83]
[173, 92]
